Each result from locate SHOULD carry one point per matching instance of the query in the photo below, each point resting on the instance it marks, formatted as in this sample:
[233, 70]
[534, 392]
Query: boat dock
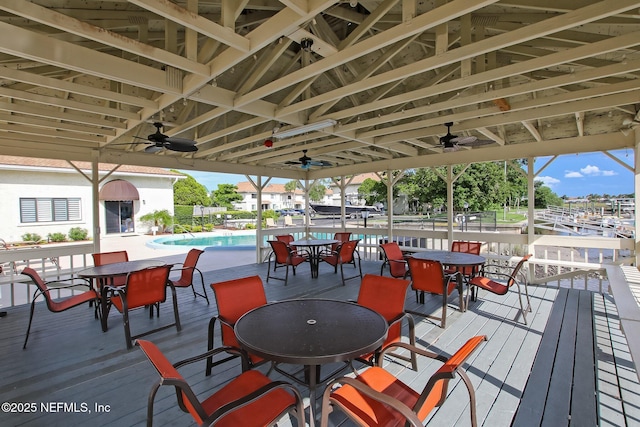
[577, 222]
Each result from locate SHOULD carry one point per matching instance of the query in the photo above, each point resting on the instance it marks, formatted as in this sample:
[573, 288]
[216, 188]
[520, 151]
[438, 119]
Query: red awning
[119, 190]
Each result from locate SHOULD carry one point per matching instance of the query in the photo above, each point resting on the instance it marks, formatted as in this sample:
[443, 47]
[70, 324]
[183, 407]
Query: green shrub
[196, 228]
[57, 237]
[31, 237]
[77, 234]
[250, 226]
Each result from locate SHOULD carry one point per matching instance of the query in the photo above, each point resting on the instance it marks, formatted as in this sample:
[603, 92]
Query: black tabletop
[119, 268]
[311, 331]
[451, 258]
[313, 242]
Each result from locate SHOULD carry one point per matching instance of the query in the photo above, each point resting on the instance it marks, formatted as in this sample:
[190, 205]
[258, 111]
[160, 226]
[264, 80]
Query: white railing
[575, 261]
[51, 261]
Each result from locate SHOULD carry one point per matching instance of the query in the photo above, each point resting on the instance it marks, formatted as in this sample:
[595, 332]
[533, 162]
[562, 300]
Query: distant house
[351, 191]
[46, 196]
[274, 196]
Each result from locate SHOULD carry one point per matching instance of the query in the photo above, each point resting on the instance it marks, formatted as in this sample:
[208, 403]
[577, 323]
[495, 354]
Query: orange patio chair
[283, 255]
[288, 238]
[386, 295]
[428, 276]
[377, 398]
[187, 270]
[89, 295]
[489, 277]
[147, 287]
[250, 399]
[111, 258]
[395, 259]
[234, 298]
[341, 236]
[345, 253]
[469, 248]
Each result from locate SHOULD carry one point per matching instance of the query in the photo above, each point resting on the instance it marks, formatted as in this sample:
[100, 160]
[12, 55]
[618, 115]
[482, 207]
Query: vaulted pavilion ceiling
[80, 78]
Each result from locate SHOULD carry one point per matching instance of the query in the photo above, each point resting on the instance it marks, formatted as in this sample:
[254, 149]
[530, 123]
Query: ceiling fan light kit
[299, 130]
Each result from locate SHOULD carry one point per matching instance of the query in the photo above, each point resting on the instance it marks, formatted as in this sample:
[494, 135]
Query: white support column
[531, 211]
[259, 218]
[95, 203]
[636, 187]
[449, 181]
[390, 184]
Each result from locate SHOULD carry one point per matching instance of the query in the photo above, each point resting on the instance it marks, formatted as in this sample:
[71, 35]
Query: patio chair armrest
[413, 349]
[255, 395]
[68, 283]
[397, 405]
[208, 353]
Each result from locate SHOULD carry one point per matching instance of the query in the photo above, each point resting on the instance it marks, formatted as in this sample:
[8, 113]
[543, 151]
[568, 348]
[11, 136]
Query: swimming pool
[206, 241]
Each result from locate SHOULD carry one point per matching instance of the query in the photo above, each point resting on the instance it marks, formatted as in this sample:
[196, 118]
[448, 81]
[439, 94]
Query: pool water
[206, 241]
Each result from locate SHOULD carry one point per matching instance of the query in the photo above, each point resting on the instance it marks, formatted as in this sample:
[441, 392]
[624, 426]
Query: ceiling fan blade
[291, 162]
[319, 163]
[177, 140]
[180, 146]
[462, 140]
[153, 149]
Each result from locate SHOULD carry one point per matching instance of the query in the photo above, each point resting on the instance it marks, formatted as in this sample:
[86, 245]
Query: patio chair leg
[33, 307]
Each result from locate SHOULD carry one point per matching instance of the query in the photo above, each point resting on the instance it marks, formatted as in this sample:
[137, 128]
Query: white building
[44, 196]
[274, 196]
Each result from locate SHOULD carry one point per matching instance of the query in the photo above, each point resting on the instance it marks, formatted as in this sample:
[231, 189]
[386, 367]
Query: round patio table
[453, 259]
[311, 332]
[314, 246]
[104, 274]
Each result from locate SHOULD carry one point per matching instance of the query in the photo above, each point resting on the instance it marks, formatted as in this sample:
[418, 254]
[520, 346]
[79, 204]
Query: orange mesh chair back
[111, 258]
[56, 306]
[234, 298]
[145, 288]
[283, 256]
[428, 276]
[187, 271]
[346, 253]
[395, 259]
[287, 238]
[469, 248]
[493, 278]
[377, 398]
[341, 236]
[386, 295]
[250, 399]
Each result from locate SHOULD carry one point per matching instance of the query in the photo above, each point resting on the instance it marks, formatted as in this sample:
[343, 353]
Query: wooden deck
[70, 361]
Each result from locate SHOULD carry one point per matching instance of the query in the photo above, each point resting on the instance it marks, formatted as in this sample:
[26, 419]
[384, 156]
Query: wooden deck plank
[556, 411]
[505, 404]
[79, 363]
[530, 412]
[583, 399]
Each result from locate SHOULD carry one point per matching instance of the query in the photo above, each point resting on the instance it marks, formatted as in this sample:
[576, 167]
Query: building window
[49, 210]
[254, 196]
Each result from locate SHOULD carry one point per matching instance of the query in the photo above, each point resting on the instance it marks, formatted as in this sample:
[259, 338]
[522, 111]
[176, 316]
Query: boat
[352, 211]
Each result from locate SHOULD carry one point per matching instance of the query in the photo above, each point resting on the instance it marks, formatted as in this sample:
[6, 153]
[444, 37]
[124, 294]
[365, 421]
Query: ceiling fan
[630, 124]
[158, 141]
[306, 162]
[453, 142]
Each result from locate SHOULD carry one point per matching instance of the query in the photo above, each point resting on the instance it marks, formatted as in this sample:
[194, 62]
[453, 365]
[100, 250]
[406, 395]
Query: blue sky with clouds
[588, 173]
[571, 175]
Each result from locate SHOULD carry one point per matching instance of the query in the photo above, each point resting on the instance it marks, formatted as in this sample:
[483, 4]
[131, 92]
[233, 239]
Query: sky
[572, 175]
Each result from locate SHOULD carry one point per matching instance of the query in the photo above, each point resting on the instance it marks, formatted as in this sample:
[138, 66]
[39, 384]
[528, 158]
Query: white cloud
[549, 181]
[591, 170]
[572, 174]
